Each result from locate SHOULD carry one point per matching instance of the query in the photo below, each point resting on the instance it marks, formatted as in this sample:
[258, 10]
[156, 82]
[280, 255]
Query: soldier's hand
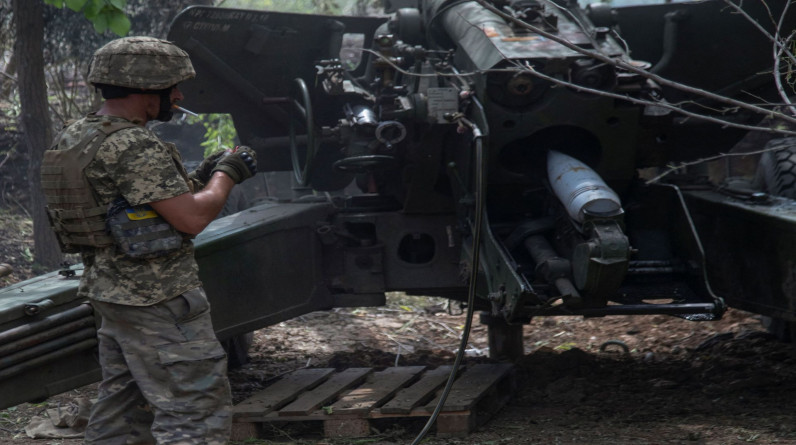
[205, 169]
[240, 165]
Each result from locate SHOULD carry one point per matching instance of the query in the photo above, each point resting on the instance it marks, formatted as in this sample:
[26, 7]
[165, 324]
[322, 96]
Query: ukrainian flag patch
[138, 213]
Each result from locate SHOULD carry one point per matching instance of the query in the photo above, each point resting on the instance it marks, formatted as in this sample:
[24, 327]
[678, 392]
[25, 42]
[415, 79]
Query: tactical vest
[75, 215]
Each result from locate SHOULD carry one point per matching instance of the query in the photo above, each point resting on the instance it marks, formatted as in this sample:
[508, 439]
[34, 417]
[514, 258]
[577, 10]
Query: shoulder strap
[88, 146]
[112, 127]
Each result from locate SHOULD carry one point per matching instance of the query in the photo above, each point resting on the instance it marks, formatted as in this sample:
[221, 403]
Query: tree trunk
[35, 120]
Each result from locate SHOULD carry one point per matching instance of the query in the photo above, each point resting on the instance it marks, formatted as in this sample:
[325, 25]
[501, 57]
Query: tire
[237, 349]
[776, 175]
[776, 172]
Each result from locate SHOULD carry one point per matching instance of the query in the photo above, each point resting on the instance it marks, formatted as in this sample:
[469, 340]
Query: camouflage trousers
[164, 375]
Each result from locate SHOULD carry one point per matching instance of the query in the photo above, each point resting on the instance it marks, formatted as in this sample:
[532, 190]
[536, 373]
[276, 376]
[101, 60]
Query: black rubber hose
[480, 197]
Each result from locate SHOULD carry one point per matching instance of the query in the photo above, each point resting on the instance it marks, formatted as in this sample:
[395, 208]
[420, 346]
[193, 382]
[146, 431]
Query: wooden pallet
[346, 402]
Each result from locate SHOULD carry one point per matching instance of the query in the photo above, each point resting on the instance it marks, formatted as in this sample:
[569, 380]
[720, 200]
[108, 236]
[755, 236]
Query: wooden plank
[471, 386]
[418, 393]
[242, 431]
[327, 391]
[379, 387]
[281, 392]
[456, 424]
[334, 427]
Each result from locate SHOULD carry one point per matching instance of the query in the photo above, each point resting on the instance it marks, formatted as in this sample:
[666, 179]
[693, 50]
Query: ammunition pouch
[79, 227]
[139, 232]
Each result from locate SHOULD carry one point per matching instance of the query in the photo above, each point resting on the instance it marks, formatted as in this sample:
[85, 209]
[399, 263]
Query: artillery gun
[492, 152]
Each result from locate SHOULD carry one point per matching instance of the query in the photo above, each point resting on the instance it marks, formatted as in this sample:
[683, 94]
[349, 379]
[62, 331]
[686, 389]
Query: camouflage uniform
[164, 375]
[164, 371]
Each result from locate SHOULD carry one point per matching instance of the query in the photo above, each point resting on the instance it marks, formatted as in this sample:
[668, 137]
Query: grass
[413, 303]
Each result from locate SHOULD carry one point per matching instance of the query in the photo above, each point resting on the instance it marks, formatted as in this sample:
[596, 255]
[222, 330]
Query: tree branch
[666, 105]
[8, 76]
[776, 41]
[567, 84]
[716, 157]
[780, 47]
[777, 78]
[618, 62]
[8, 156]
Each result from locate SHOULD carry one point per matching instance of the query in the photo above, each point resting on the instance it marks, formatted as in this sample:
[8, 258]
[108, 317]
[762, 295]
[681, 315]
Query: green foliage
[8, 115]
[788, 69]
[327, 6]
[302, 6]
[566, 346]
[220, 132]
[103, 14]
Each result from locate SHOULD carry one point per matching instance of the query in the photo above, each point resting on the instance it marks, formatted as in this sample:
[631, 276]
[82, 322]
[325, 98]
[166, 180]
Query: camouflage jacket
[135, 164]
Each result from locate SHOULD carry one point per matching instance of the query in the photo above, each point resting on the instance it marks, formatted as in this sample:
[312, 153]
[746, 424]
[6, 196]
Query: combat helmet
[144, 63]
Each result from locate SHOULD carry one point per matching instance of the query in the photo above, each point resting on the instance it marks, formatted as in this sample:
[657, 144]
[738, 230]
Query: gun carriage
[500, 150]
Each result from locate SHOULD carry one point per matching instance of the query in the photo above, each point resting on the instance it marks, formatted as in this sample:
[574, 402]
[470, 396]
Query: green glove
[205, 169]
[240, 165]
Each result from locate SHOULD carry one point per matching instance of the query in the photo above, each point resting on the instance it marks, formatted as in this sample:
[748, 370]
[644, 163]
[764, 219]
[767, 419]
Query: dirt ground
[724, 382]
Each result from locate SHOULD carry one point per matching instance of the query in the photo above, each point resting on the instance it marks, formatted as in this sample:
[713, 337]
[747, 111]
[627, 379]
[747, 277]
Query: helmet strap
[165, 112]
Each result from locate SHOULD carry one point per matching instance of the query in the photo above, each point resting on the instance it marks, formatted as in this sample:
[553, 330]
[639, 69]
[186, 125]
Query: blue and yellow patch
[138, 213]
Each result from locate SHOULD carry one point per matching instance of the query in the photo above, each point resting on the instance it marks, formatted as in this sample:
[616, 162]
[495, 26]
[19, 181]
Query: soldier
[121, 197]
